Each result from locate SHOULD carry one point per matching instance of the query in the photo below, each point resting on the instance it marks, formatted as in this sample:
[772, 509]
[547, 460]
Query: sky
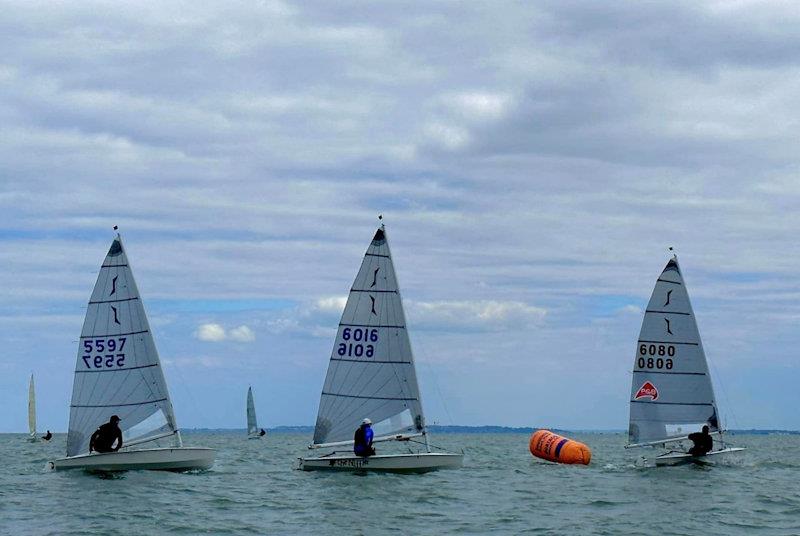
[533, 161]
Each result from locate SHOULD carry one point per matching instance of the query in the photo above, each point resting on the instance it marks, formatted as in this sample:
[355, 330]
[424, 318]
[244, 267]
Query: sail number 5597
[658, 353]
[357, 344]
[109, 352]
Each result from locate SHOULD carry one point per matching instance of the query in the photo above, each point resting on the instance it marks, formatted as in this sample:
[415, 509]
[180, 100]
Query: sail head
[117, 370]
[371, 371]
[671, 392]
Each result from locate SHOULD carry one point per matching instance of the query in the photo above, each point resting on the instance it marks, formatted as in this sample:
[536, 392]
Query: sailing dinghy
[671, 394]
[118, 372]
[371, 375]
[32, 437]
[253, 431]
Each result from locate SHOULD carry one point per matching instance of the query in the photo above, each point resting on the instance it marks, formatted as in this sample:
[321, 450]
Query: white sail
[252, 425]
[31, 409]
[117, 371]
[371, 371]
[671, 393]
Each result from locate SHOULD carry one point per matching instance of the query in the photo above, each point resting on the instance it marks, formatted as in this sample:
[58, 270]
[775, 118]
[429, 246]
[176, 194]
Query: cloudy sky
[533, 162]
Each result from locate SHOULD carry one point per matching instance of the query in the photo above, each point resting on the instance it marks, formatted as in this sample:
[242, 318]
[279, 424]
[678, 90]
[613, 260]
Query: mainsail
[671, 394]
[117, 371]
[252, 425]
[371, 371]
[31, 409]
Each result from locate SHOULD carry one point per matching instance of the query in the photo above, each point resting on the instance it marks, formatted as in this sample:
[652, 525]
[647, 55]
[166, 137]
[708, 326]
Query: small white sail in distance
[117, 370]
[252, 423]
[31, 409]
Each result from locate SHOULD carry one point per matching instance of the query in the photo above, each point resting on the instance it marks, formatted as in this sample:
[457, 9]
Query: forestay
[117, 371]
[671, 394]
[371, 372]
[252, 426]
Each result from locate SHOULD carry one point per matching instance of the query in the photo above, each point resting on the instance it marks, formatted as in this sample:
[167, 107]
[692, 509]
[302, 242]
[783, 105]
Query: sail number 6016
[356, 349]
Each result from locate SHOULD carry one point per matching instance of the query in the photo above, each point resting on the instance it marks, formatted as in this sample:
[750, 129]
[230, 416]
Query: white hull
[160, 459]
[682, 458]
[398, 463]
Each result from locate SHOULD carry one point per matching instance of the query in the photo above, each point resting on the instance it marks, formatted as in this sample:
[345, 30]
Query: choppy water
[254, 489]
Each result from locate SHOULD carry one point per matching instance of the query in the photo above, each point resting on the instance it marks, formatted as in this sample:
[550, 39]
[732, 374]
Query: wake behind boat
[118, 373]
[671, 393]
[371, 375]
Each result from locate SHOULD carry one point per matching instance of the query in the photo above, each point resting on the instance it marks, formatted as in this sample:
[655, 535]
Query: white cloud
[242, 334]
[333, 304]
[480, 105]
[212, 332]
[484, 315]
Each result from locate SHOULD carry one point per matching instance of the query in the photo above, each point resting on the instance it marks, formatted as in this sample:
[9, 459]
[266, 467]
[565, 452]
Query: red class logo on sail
[647, 390]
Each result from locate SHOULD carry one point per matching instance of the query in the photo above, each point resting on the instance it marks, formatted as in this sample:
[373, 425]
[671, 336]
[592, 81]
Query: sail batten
[371, 370]
[116, 338]
[671, 390]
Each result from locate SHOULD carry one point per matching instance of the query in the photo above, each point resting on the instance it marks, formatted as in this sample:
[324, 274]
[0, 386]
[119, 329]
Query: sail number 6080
[655, 350]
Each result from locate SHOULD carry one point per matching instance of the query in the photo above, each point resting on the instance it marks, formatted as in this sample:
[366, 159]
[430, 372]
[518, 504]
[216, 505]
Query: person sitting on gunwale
[703, 442]
[362, 440]
[104, 437]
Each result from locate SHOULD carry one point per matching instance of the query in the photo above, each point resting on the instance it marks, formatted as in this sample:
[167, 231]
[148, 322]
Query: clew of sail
[252, 425]
[671, 392]
[371, 371]
[117, 371]
[31, 409]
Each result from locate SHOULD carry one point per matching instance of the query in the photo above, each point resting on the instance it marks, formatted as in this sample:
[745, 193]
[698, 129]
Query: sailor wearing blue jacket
[362, 440]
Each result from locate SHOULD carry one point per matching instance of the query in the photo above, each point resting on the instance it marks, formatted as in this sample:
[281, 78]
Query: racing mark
[116, 320]
[668, 294]
[668, 328]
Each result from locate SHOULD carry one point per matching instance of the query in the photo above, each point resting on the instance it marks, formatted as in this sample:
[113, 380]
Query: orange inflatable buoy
[555, 448]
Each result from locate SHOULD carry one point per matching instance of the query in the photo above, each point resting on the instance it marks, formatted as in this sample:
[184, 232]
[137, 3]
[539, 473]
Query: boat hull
[161, 459]
[682, 458]
[392, 463]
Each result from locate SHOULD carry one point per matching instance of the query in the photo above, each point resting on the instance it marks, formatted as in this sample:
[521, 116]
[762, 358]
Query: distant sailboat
[118, 372]
[671, 394]
[253, 431]
[371, 375]
[32, 412]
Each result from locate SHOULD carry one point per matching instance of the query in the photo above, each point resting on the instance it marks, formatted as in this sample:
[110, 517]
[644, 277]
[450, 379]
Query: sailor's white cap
[366, 421]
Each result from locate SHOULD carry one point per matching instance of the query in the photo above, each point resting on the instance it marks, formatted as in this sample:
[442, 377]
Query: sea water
[254, 488]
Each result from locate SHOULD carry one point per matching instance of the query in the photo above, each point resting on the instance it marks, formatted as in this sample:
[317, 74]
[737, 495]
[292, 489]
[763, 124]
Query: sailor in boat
[362, 440]
[104, 437]
[703, 442]
[262, 432]
[48, 436]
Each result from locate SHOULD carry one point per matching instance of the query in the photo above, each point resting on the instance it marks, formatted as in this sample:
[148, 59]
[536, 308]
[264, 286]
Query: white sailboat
[253, 431]
[118, 372]
[32, 412]
[671, 392]
[371, 375]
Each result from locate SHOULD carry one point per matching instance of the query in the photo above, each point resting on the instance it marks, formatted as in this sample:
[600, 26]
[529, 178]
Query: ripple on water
[254, 489]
